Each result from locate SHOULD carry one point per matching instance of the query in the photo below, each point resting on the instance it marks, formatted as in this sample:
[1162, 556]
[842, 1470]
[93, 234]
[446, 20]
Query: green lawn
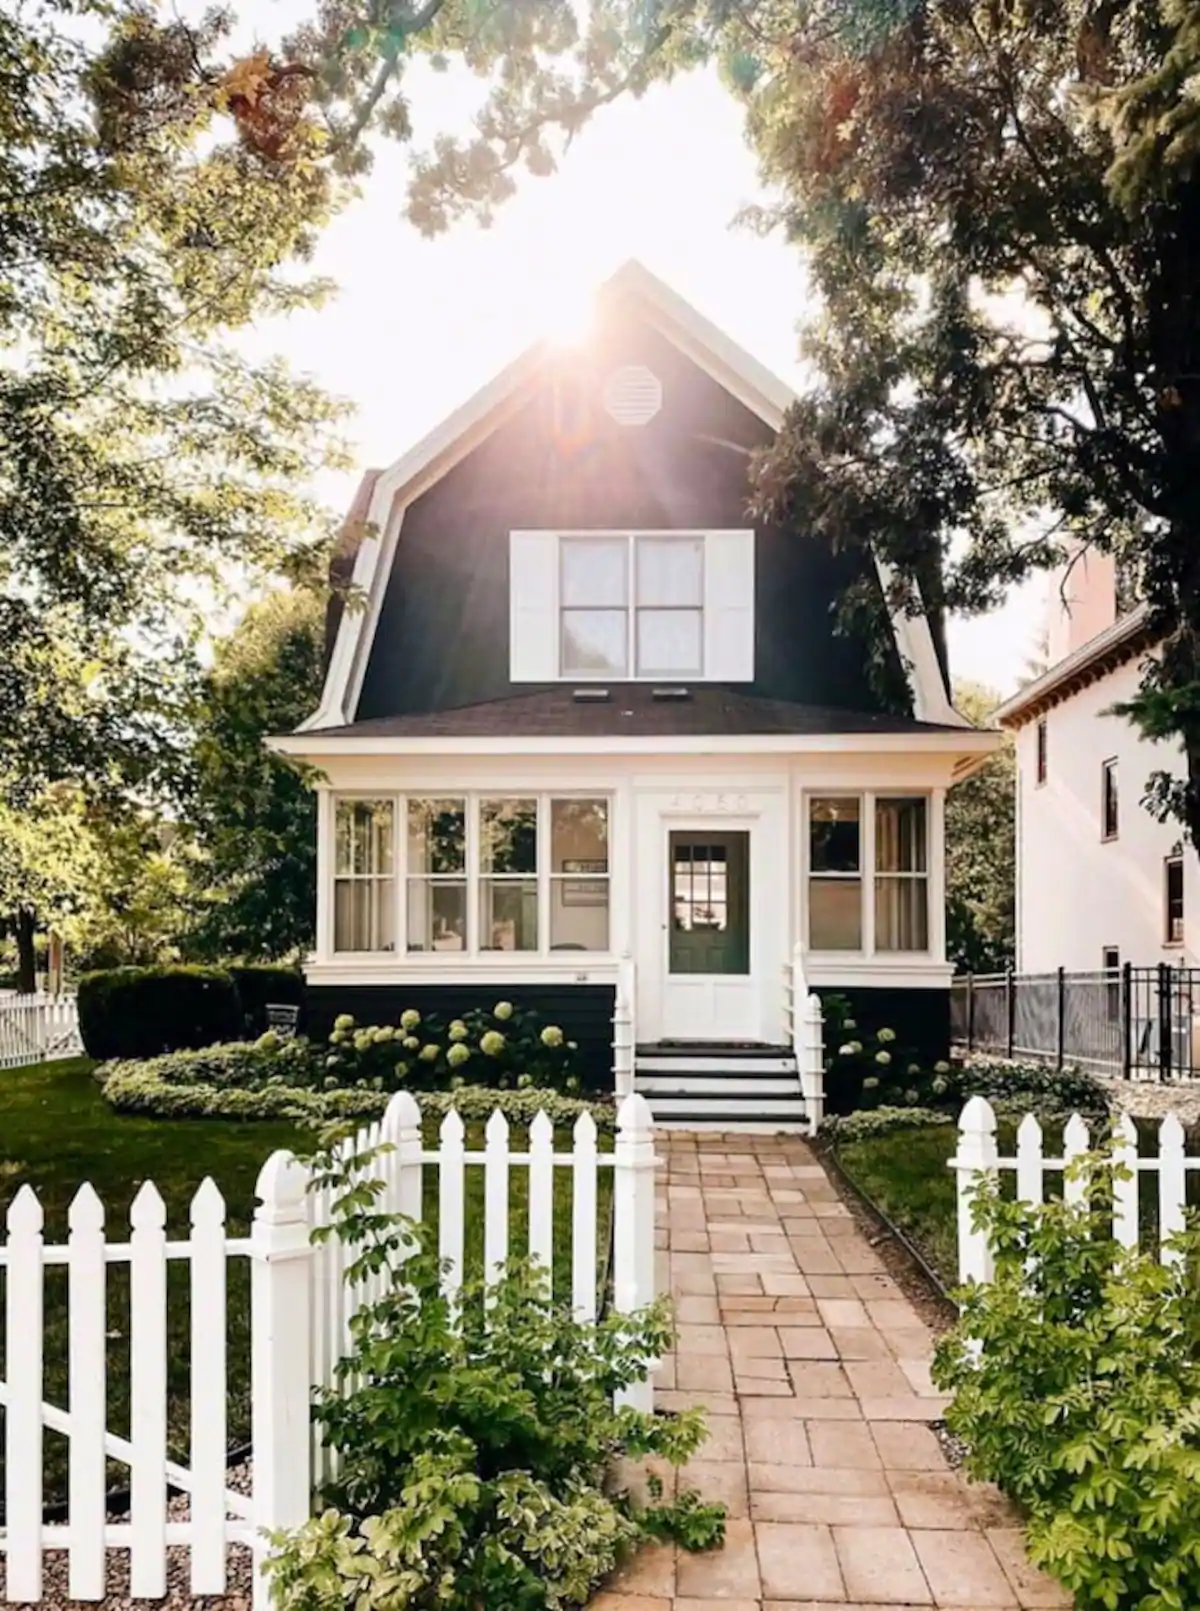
[56, 1131]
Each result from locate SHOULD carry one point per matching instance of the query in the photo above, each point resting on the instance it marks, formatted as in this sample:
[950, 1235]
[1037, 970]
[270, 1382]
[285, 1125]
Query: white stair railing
[624, 1028]
[806, 1026]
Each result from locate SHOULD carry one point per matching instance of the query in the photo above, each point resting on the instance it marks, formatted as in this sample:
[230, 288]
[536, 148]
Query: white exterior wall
[1076, 892]
[651, 796]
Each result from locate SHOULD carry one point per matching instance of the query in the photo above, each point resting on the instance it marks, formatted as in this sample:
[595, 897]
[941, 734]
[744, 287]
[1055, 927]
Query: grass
[905, 1174]
[56, 1132]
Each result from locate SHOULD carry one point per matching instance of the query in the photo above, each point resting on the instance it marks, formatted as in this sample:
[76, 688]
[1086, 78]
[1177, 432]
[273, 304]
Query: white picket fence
[38, 1029]
[300, 1313]
[978, 1155]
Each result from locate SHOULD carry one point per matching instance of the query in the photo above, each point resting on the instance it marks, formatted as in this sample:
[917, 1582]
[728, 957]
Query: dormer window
[632, 605]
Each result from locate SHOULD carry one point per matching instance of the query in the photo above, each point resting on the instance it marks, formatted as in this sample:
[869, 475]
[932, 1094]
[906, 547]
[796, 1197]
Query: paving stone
[796, 1557]
[841, 1445]
[630, 1602]
[760, 1367]
[961, 1569]
[710, 1372]
[909, 1342]
[749, 1340]
[693, 1281]
[916, 1372]
[932, 1499]
[879, 1563]
[878, 1379]
[692, 1309]
[717, 1605]
[706, 1339]
[907, 1448]
[724, 1440]
[780, 1442]
[860, 1342]
[723, 1574]
[906, 1408]
[1033, 1589]
[820, 1378]
[831, 1286]
[891, 1314]
[827, 1509]
[650, 1572]
[723, 1480]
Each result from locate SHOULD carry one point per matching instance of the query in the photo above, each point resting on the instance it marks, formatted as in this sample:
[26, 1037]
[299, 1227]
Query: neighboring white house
[1099, 881]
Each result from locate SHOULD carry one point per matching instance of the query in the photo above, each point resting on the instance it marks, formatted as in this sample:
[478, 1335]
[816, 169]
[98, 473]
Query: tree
[981, 852]
[253, 813]
[1001, 213]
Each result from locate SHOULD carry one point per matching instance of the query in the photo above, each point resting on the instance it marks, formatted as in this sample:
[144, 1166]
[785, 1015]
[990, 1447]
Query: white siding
[1078, 893]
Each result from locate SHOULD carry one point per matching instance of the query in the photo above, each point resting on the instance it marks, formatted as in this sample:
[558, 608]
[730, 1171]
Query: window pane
[579, 914]
[364, 834]
[900, 836]
[670, 570]
[901, 914]
[364, 914]
[834, 835]
[668, 643]
[437, 836]
[508, 836]
[835, 914]
[579, 836]
[508, 914]
[437, 915]
[594, 640]
[593, 572]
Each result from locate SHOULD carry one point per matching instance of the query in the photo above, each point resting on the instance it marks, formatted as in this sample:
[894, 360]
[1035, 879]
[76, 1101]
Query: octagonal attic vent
[632, 395]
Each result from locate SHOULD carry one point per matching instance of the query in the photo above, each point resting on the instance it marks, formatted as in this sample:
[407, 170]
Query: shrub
[140, 1012]
[1030, 1086]
[1076, 1379]
[281, 1079]
[871, 1122]
[506, 1047]
[261, 982]
[871, 1069]
[475, 1442]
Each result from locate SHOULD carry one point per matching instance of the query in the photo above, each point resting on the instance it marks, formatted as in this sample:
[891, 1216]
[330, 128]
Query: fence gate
[38, 1029]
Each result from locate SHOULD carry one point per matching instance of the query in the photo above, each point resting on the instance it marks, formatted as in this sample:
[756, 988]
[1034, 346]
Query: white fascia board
[699, 339]
[971, 742]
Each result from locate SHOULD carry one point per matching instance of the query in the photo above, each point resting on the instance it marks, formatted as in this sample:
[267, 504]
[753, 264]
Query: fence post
[812, 1060]
[1010, 1013]
[1060, 1045]
[1126, 1020]
[280, 1379]
[624, 1050]
[633, 1223]
[970, 1012]
[976, 1155]
[1164, 1021]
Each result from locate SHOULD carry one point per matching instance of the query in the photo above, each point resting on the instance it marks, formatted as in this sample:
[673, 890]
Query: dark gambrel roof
[631, 709]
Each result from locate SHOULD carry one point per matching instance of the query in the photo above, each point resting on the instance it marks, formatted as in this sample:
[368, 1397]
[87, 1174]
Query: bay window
[867, 878]
[471, 874]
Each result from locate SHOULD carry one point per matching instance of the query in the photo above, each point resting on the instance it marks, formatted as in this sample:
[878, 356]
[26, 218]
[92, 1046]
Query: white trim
[970, 743]
[908, 972]
[700, 340]
[490, 967]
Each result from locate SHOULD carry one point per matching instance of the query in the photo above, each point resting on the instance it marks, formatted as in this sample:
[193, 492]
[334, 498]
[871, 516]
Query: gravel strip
[1147, 1099]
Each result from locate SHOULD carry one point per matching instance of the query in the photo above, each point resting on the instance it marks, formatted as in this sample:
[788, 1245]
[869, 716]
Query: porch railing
[1133, 1023]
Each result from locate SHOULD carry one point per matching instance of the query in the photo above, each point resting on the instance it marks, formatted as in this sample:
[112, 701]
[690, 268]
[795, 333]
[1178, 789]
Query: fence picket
[495, 1197]
[148, 1395]
[1125, 1191]
[208, 1409]
[450, 1203]
[1075, 1143]
[541, 1192]
[633, 1222]
[23, 1417]
[1172, 1184]
[583, 1219]
[87, 1385]
[1030, 1171]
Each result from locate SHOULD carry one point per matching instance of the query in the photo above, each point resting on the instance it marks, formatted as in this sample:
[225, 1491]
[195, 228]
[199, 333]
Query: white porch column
[325, 855]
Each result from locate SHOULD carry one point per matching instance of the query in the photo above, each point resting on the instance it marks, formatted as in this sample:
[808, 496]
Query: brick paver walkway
[814, 1369]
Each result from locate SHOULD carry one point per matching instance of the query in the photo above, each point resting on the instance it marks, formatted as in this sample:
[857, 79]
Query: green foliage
[868, 1070]
[140, 1012]
[273, 1078]
[476, 1439]
[259, 984]
[981, 852]
[1029, 1087]
[880, 1121]
[509, 1047]
[1076, 1375]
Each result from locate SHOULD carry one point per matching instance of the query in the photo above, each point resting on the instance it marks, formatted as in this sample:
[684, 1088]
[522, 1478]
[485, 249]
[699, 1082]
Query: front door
[709, 993]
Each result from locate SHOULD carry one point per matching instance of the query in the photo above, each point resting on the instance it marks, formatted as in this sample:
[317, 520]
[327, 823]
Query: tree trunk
[26, 961]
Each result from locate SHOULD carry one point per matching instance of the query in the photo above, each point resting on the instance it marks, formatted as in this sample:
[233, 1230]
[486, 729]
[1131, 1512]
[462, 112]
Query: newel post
[280, 1377]
[634, 1164]
[623, 1030]
[975, 1159]
[812, 1060]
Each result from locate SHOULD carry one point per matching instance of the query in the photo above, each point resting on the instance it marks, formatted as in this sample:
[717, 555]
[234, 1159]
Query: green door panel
[709, 897]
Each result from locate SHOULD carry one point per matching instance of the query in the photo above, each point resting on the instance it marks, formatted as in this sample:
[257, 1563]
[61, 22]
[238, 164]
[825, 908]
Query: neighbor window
[1041, 751]
[887, 835]
[1109, 809]
[476, 874]
[632, 606]
[364, 889]
[1173, 896]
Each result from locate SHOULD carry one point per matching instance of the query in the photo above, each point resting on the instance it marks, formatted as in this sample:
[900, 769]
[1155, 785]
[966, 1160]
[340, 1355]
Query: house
[593, 727]
[1099, 881]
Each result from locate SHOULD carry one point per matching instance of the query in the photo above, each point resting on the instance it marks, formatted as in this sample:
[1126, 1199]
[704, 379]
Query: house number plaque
[710, 805]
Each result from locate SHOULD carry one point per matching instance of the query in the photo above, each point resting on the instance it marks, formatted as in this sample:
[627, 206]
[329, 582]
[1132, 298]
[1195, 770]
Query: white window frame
[631, 607]
[473, 874]
[868, 873]
[331, 877]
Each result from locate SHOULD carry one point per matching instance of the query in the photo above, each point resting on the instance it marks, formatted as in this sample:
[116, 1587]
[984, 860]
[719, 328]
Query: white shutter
[533, 606]
[729, 606]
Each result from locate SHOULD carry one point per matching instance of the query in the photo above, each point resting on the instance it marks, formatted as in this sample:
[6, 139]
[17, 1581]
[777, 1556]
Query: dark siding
[442, 638]
[583, 1012]
[921, 1019]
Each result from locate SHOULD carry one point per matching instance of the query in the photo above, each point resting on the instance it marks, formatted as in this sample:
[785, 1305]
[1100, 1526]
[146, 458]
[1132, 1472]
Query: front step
[722, 1086]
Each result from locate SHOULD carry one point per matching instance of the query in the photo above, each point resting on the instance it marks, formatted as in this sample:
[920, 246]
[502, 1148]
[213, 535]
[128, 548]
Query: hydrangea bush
[873, 1070]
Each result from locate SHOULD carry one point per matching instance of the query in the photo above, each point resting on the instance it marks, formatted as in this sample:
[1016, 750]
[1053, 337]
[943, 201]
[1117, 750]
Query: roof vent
[671, 693]
[633, 395]
[591, 696]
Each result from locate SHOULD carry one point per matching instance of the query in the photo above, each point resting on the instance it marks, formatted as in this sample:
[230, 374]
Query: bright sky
[420, 325]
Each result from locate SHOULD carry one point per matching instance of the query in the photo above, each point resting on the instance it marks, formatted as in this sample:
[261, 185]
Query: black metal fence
[1136, 1023]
